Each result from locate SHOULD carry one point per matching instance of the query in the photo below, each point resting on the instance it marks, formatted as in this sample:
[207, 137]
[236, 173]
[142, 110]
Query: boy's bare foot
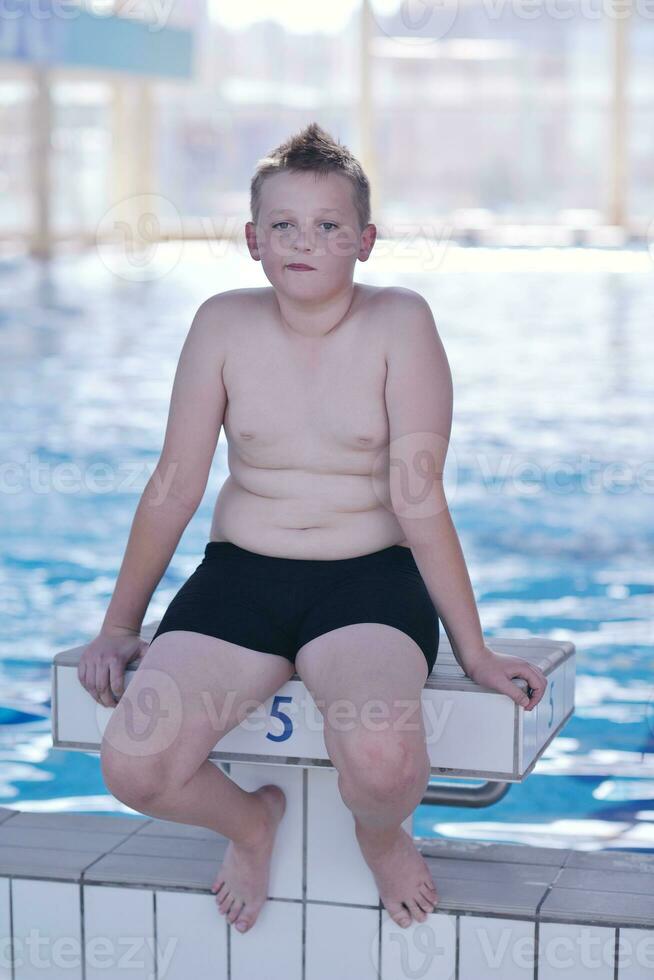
[401, 873]
[241, 886]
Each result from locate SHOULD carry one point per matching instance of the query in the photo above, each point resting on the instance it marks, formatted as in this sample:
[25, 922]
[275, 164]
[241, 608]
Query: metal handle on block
[474, 796]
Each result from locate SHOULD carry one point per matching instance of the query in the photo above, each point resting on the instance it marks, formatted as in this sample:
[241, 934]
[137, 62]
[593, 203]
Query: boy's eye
[278, 223]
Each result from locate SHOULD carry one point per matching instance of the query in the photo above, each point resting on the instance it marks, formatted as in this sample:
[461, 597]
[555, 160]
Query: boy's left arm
[419, 401]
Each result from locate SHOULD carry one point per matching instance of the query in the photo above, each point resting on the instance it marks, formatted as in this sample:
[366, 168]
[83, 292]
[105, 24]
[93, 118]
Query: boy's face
[308, 219]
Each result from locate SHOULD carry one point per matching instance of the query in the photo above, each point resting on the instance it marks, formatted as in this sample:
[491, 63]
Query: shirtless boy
[331, 545]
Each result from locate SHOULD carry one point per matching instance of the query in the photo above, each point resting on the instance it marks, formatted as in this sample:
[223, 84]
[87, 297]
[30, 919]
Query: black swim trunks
[276, 605]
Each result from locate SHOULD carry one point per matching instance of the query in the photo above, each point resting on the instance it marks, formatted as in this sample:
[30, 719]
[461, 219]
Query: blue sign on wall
[61, 33]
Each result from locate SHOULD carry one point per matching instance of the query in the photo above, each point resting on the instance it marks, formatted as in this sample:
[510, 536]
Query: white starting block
[471, 731]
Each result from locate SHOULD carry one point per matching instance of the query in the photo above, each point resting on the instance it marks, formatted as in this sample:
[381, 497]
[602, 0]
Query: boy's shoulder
[236, 297]
[403, 296]
[400, 305]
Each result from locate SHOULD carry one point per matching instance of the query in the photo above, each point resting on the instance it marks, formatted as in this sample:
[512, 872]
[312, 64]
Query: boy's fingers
[116, 679]
[103, 694]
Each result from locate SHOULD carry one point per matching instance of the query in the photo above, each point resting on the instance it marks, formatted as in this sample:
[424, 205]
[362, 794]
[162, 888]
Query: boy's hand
[101, 669]
[495, 670]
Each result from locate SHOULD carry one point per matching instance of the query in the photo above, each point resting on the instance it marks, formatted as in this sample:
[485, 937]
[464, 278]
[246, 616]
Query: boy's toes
[242, 925]
[416, 911]
[235, 911]
[400, 915]
[226, 903]
[429, 894]
[426, 902]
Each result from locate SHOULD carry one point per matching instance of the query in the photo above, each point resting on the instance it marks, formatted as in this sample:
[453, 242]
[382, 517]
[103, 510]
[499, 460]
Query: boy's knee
[383, 764]
[132, 780]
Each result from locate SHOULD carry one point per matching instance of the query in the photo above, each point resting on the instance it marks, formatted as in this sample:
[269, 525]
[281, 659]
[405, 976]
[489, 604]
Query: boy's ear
[368, 238]
[251, 239]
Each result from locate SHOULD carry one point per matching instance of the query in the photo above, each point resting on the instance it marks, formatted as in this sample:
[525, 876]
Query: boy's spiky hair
[313, 149]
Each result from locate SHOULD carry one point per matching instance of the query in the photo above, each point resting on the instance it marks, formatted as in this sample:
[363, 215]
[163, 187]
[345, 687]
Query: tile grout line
[228, 931]
[457, 935]
[379, 943]
[616, 952]
[82, 929]
[305, 825]
[11, 928]
[548, 889]
[155, 934]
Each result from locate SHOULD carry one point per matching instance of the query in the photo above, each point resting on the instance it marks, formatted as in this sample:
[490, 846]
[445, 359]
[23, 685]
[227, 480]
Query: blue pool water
[551, 477]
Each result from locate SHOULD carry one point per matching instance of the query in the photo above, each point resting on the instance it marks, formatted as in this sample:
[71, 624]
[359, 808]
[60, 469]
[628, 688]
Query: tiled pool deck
[138, 890]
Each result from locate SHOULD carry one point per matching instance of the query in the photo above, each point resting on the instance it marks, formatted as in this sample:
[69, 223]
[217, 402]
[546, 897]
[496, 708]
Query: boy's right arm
[169, 500]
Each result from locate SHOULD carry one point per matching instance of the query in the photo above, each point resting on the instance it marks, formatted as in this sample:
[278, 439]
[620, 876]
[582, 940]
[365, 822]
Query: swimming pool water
[550, 484]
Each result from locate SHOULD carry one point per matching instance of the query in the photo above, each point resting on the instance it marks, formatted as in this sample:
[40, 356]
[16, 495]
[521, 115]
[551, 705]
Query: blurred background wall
[505, 122]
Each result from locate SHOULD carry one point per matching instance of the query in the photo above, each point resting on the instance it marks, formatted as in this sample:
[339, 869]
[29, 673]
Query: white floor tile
[342, 943]
[424, 949]
[495, 949]
[574, 952]
[46, 912]
[636, 956]
[5, 930]
[118, 932]
[191, 937]
[272, 948]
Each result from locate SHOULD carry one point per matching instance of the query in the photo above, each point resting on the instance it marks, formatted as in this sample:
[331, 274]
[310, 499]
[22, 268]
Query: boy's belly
[329, 516]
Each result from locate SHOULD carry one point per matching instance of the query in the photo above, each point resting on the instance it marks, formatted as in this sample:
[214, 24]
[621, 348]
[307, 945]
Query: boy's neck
[314, 321]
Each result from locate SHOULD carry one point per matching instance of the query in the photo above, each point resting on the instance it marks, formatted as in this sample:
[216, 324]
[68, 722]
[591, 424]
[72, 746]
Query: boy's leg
[380, 751]
[191, 689]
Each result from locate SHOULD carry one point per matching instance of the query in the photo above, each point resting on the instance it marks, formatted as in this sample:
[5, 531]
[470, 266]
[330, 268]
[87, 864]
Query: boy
[331, 544]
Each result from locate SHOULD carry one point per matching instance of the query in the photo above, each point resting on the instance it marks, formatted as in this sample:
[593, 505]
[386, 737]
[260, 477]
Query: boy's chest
[289, 408]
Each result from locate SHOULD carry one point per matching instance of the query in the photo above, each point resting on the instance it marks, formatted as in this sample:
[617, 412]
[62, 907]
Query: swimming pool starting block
[472, 732]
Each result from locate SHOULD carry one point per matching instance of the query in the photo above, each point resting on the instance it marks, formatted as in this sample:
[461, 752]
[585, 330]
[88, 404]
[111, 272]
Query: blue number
[551, 719]
[276, 713]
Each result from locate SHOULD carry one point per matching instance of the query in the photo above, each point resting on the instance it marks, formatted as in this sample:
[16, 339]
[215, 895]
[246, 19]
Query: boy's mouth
[300, 267]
